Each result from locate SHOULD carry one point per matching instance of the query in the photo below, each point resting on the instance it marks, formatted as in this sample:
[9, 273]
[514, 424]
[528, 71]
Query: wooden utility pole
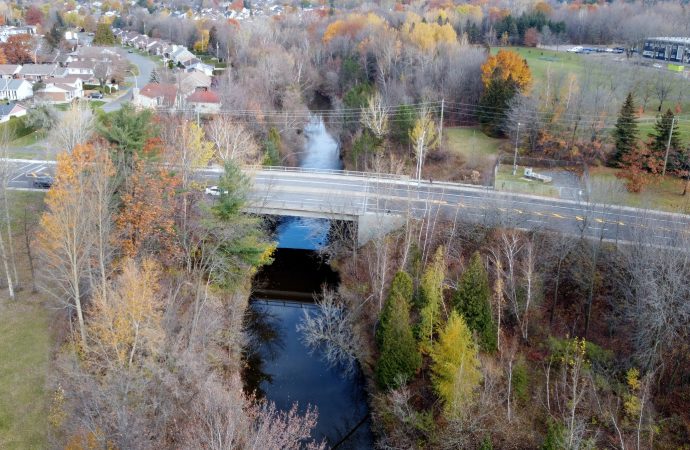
[668, 146]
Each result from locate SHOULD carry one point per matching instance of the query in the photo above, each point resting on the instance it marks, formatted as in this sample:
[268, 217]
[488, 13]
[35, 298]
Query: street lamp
[136, 82]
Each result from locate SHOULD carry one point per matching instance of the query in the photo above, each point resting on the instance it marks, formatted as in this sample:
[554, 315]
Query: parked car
[657, 66]
[97, 95]
[43, 182]
[213, 190]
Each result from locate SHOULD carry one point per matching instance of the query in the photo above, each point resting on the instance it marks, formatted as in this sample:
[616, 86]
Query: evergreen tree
[662, 130]
[430, 299]
[494, 104]
[455, 368]
[472, 300]
[625, 133]
[155, 77]
[399, 358]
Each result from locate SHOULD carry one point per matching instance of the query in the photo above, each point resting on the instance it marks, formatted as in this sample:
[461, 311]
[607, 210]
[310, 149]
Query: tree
[665, 136]
[424, 138]
[232, 140]
[74, 127]
[430, 300]
[625, 132]
[494, 104]
[33, 16]
[155, 77]
[399, 357]
[125, 321]
[375, 117]
[42, 117]
[402, 123]
[54, 36]
[129, 130]
[104, 35]
[472, 300]
[66, 237]
[507, 65]
[455, 369]
[18, 49]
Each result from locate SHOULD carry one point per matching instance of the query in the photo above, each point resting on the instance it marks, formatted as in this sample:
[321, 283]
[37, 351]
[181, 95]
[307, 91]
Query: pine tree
[662, 130]
[155, 77]
[399, 358]
[472, 300]
[455, 368]
[625, 133]
[430, 298]
[494, 104]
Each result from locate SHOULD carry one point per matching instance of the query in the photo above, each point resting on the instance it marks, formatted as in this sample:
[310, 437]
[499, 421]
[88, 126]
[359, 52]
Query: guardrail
[350, 173]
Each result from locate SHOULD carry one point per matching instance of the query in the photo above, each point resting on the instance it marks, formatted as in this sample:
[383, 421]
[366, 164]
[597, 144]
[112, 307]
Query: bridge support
[373, 225]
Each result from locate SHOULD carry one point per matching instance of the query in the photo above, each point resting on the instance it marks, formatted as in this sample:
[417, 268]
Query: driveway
[145, 66]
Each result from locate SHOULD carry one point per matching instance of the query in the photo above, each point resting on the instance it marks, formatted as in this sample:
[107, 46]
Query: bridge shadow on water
[279, 367]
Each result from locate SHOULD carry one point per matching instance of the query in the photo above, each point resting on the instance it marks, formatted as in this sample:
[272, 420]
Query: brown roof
[156, 90]
[202, 96]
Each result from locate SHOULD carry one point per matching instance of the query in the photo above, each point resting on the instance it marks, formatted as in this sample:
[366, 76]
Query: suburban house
[7, 31]
[11, 110]
[11, 89]
[204, 101]
[181, 55]
[193, 81]
[63, 91]
[200, 67]
[37, 72]
[156, 95]
[9, 70]
[79, 68]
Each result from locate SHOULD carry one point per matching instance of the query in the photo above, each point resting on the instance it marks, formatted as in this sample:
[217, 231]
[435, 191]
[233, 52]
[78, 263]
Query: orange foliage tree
[146, 215]
[507, 64]
[18, 49]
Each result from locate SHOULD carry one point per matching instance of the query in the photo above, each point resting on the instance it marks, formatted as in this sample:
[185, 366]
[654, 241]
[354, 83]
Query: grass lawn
[683, 129]
[25, 349]
[662, 194]
[25, 346]
[506, 181]
[470, 142]
[540, 60]
[28, 139]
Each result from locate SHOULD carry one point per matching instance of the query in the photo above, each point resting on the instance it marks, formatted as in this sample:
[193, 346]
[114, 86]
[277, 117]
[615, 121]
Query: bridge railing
[351, 173]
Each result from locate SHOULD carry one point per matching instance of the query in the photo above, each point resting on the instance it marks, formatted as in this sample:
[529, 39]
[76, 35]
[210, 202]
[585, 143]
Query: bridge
[380, 203]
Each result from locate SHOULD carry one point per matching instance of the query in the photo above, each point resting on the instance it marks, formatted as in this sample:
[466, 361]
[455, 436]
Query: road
[347, 195]
[145, 66]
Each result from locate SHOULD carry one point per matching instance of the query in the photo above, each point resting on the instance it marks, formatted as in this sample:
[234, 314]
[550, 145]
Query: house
[181, 55]
[204, 101]
[193, 81]
[61, 92]
[37, 72]
[7, 31]
[9, 70]
[12, 110]
[79, 68]
[201, 67]
[156, 95]
[12, 89]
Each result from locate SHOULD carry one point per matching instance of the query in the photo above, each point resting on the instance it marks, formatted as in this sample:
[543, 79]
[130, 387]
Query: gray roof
[6, 109]
[10, 85]
[37, 69]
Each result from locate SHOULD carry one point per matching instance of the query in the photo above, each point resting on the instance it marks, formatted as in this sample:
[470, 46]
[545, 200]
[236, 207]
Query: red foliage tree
[33, 16]
[18, 49]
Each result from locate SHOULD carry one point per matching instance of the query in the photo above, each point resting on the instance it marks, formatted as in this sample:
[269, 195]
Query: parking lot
[23, 174]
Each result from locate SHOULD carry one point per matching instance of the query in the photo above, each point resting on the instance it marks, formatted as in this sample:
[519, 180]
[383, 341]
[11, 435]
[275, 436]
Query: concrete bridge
[380, 203]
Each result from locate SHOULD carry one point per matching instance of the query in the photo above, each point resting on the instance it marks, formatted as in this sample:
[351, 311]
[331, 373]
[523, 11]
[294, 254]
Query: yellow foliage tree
[427, 36]
[352, 25]
[126, 322]
[455, 371]
[507, 64]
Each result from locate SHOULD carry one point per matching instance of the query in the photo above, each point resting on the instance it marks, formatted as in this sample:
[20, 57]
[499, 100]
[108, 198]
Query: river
[280, 367]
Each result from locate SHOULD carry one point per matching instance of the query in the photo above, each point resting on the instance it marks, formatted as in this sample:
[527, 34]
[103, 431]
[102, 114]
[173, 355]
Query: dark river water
[280, 367]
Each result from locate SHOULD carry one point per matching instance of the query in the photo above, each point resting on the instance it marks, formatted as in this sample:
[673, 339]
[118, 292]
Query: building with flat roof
[672, 49]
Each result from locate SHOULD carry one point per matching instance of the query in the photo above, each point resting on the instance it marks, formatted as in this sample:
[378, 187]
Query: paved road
[339, 195]
[145, 66]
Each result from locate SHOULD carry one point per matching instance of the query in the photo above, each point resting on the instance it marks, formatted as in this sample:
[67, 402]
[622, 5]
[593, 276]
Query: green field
[683, 129]
[470, 142]
[540, 61]
[25, 349]
[506, 181]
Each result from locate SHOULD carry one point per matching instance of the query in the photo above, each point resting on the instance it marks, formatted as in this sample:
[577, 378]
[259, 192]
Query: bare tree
[6, 241]
[232, 140]
[74, 126]
[375, 116]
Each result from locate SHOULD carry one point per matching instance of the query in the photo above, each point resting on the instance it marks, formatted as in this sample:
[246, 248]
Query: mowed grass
[475, 149]
[683, 129]
[541, 61]
[506, 181]
[25, 349]
[663, 194]
[25, 346]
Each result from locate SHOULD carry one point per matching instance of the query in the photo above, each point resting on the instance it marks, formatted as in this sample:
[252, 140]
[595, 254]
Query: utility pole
[668, 146]
[440, 128]
[517, 135]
